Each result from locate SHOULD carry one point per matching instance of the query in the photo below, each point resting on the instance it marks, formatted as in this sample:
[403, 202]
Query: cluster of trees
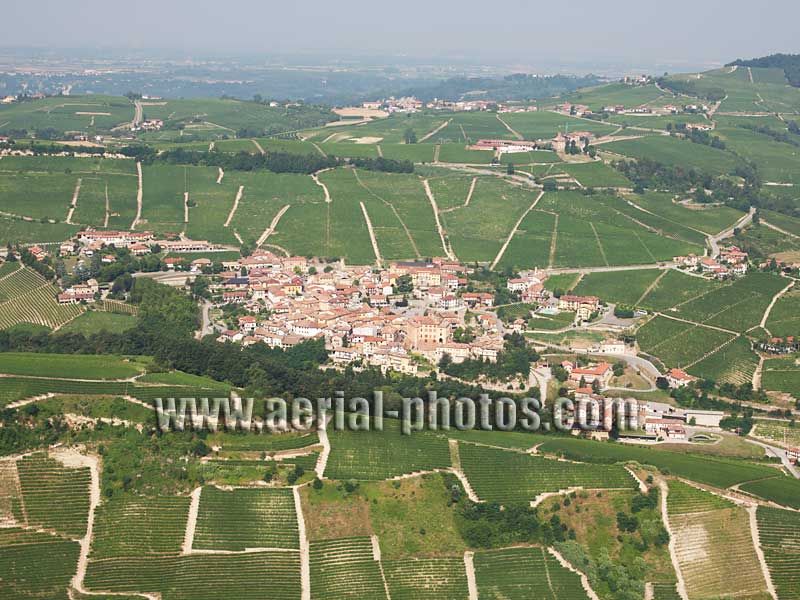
[277, 162]
[489, 525]
[646, 174]
[699, 137]
[778, 136]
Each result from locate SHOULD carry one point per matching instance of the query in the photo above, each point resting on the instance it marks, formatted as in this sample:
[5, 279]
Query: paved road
[780, 453]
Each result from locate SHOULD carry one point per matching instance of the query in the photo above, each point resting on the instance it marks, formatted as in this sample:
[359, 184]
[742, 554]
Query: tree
[410, 136]
[510, 169]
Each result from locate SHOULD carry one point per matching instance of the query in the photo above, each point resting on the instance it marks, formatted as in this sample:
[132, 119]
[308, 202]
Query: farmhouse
[699, 127]
[600, 372]
[793, 454]
[583, 306]
[678, 379]
[670, 429]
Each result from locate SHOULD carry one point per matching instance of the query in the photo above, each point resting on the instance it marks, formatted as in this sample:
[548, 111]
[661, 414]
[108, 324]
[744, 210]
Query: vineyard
[523, 573]
[376, 455]
[489, 470]
[345, 569]
[131, 527]
[785, 433]
[717, 472]
[685, 499]
[43, 479]
[782, 490]
[714, 548]
[246, 518]
[782, 375]
[244, 576]
[26, 297]
[35, 565]
[665, 591]
[678, 344]
[779, 534]
[442, 578]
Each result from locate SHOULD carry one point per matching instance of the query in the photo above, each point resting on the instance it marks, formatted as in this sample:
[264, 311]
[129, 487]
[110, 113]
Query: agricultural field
[468, 128]
[95, 321]
[738, 306]
[625, 287]
[42, 479]
[546, 125]
[782, 490]
[782, 375]
[70, 365]
[345, 568]
[784, 318]
[718, 472]
[26, 297]
[36, 564]
[704, 219]
[676, 152]
[677, 343]
[733, 363]
[676, 288]
[88, 114]
[595, 174]
[596, 98]
[779, 536]
[785, 433]
[521, 573]
[262, 519]
[376, 455]
[715, 551]
[489, 469]
[441, 578]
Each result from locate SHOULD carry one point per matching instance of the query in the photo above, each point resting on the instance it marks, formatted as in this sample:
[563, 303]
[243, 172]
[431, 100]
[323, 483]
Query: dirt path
[235, 206]
[372, 238]
[238, 237]
[511, 130]
[74, 204]
[751, 513]
[380, 150]
[258, 147]
[651, 287]
[757, 375]
[211, 146]
[599, 244]
[775, 298]
[436, 153]
[681, 585]
[514, 230]
[470, 192]
[552, 258]
[778, 229]
[750, 74]
[138, 198]
[191, 522]
[394, 210]
[185, 208]
[567, 565]
[315, 177]
[320, 150]
[430, 134]
[220, 176]
[469, 566]
[442, 233]
[305, 554]
[271, 229]
[71, 458]
[108, 209]
[322, 461]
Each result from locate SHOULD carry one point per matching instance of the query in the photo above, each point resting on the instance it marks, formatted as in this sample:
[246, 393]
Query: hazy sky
[670, 31]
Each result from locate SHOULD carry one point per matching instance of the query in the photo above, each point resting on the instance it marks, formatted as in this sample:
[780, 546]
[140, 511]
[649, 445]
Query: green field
[781, 490]
[96, 321]
[490, 469]
[625, 287]
[782, 375]
[88, 114]
[779, 536]
[70, 366]
[676, 152]
[717, 472]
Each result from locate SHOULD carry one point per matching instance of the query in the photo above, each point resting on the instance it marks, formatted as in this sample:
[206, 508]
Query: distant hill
[790, 63]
